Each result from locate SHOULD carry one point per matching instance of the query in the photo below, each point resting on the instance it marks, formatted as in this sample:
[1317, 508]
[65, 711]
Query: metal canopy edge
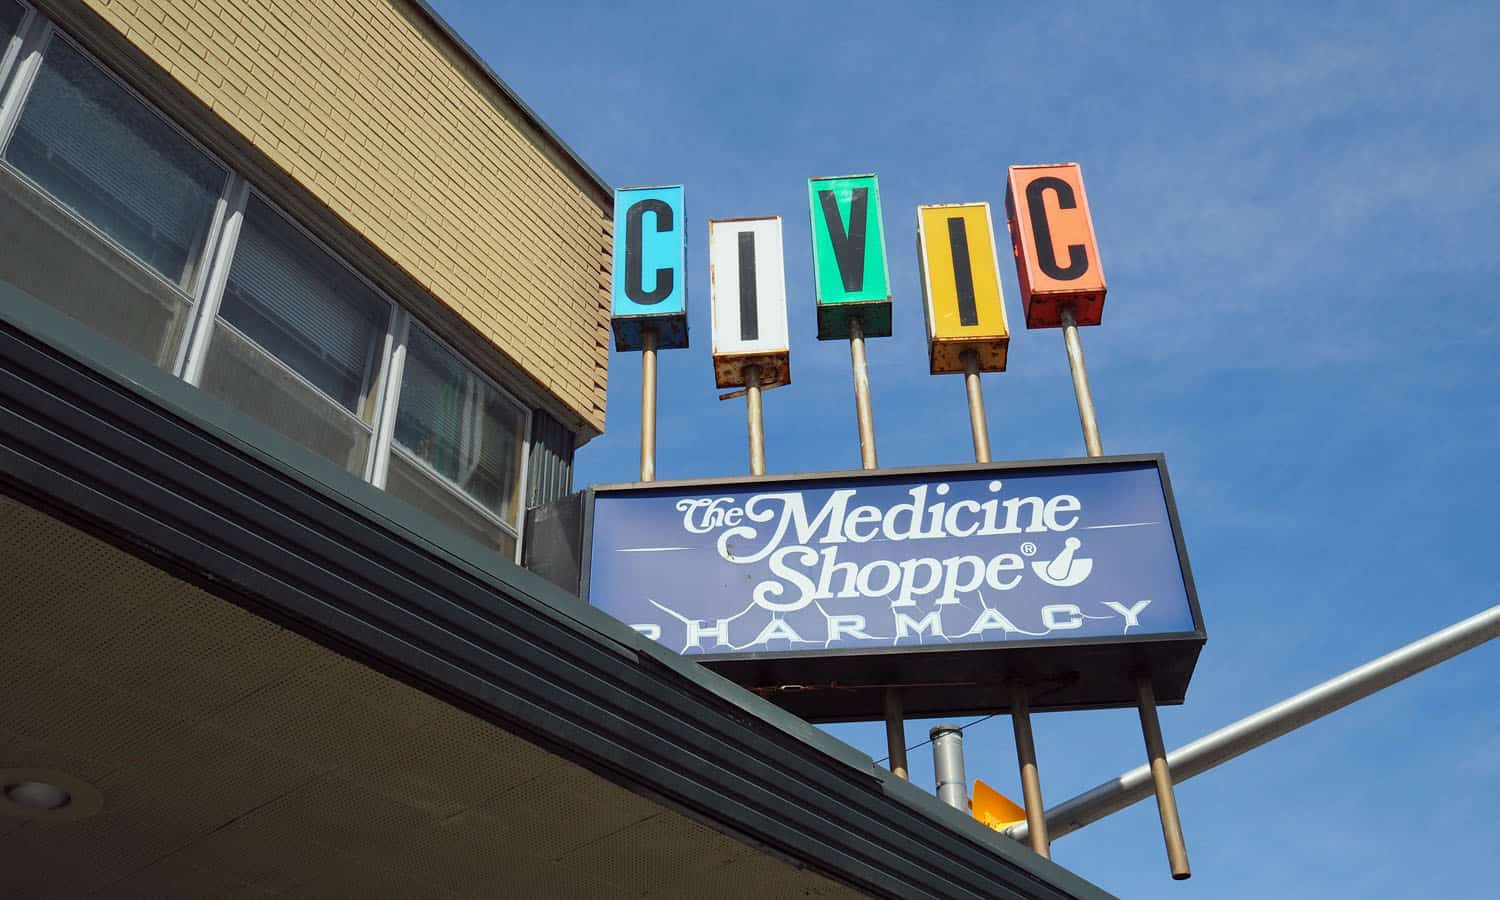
[129, 453]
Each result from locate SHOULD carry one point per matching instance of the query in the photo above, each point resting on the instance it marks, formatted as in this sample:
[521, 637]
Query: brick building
[301, 308]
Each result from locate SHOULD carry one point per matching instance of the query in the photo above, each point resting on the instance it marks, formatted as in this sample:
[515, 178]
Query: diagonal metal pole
[1272, 722]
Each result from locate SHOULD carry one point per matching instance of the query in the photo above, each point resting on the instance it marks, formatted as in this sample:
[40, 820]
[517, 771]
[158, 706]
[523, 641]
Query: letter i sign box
[961, 287]
[1052, 235]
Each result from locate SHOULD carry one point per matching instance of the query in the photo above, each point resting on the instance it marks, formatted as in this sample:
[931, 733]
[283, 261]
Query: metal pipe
[648, 404]
[862, 394]
[1272, 722]
[948, 765]
[977, 422]
[895, 731]
[1031, 781]
[757, 423]
[1161, 779]
[1086, 416]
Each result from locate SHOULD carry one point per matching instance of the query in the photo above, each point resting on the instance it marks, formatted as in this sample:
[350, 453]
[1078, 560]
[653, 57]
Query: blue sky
[1296, 214]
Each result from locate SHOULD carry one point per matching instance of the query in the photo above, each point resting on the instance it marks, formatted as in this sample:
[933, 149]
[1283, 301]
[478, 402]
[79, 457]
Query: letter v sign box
[649, 284]
[1052, 234]
[849, 266]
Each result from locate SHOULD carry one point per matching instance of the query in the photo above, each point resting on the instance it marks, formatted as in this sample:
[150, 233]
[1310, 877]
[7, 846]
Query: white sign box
[748, 295]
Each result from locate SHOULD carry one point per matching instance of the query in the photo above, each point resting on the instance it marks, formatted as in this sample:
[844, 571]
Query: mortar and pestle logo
[1066, 570]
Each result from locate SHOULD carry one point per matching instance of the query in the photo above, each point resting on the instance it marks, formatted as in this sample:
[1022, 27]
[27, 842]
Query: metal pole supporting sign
[1048, 211]
[648, 404]
[967, 334]
[852, 288]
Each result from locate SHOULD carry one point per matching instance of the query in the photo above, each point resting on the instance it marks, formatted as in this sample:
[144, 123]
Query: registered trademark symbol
[1028, 549]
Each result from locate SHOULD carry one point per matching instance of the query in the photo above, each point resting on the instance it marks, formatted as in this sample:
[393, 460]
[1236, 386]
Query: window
[299, 339]
[111, 215]
[458, 445]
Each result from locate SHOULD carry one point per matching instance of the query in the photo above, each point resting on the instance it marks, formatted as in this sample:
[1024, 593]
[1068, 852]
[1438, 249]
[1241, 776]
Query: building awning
[277, 677]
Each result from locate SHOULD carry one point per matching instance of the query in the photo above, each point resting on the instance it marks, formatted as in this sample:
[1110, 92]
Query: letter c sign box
[1052, 235]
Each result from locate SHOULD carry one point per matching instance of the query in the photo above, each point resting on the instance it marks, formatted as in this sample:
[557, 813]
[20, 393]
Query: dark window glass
[147, 194]
[298, 341]
[105, 155]
[465, 433]
[414, 482]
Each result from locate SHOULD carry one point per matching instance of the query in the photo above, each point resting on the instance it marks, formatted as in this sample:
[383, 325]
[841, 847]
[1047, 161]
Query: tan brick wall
[369, 107]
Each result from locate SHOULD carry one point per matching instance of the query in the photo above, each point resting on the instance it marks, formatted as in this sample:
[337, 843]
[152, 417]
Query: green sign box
[849, 265]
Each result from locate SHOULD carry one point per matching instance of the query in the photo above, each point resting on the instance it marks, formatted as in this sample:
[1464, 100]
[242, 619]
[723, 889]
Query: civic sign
[748, 299]
[961, 287]
[1070, 574]
[1052, 234]
[649, 287]
[849, 266]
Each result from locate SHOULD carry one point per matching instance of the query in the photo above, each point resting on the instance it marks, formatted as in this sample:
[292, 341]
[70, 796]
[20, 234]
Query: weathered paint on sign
[1052, 235]
[748, 298]
[849, 262]
[961, 290]
[649, 288]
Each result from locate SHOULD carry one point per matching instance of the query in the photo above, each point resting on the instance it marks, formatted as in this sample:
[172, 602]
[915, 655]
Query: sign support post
[1161, 777]
[862, 413]
[895, 732]
[648, 404]
[1062, 286]
[1031, 781]
[1086, 417]
[755, 422]
[967, 333]
[852, 286]
[978, 424]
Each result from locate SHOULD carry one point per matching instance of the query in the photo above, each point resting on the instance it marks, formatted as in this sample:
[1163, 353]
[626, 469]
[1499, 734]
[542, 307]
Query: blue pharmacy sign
[1070, 574]
[649, 287]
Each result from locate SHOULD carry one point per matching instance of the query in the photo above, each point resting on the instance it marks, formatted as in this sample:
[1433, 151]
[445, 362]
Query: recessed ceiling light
[38, 795]
[47, 794]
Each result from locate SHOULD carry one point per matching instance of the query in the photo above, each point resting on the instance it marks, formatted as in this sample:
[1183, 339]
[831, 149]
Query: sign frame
[950, 679]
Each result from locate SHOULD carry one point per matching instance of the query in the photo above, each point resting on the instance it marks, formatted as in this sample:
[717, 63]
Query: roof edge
[463, 46]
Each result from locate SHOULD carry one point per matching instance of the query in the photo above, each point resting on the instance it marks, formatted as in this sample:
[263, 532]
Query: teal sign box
[649, 288]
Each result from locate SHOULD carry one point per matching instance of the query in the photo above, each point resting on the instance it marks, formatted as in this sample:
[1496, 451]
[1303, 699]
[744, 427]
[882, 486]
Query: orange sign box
[993, 809]
[1052, 236]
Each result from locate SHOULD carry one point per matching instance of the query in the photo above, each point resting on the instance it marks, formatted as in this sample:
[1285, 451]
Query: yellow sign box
[961, 287]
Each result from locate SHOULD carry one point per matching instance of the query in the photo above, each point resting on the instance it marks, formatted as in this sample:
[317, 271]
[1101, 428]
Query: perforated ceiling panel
[237, 759]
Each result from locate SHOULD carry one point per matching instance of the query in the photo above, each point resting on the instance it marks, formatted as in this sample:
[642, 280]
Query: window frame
[517, 530]
[37, 41]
